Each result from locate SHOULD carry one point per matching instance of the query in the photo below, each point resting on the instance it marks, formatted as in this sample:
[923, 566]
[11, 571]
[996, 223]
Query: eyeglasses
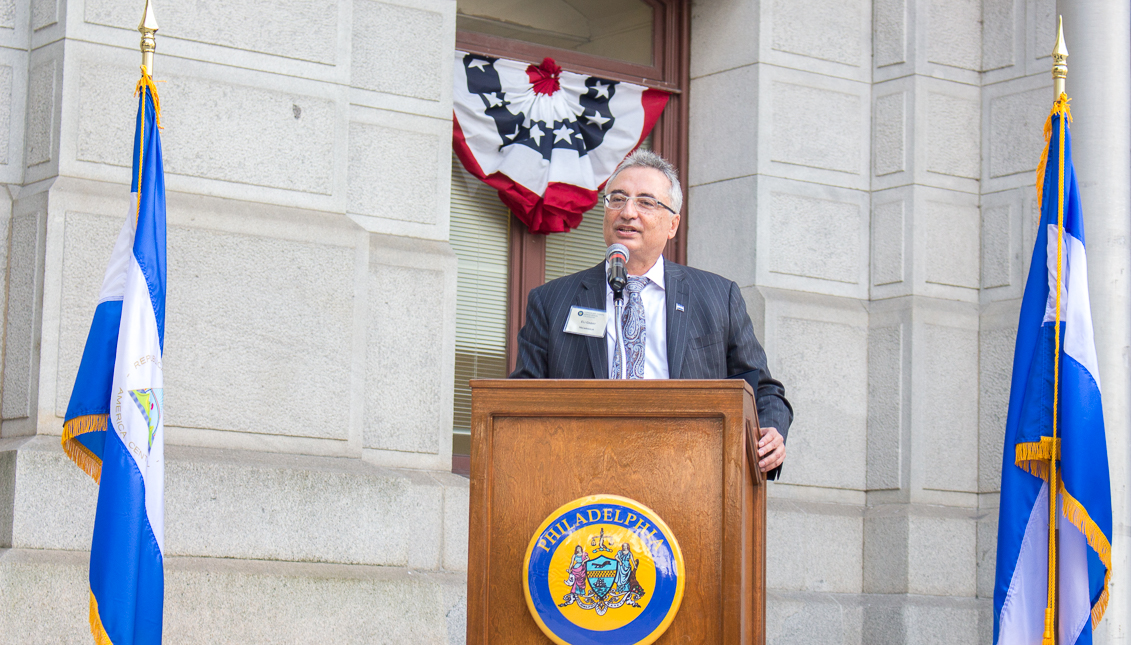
[617, 201]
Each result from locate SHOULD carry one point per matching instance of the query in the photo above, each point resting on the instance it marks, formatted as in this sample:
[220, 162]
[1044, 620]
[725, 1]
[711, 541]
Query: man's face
[644, 234]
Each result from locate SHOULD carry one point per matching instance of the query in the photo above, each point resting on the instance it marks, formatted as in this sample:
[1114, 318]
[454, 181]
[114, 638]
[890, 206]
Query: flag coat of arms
[1055, 380]
[114, 428]
[545, 138]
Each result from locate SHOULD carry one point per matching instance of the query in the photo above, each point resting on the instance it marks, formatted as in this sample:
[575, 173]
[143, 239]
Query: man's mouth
[626, 230]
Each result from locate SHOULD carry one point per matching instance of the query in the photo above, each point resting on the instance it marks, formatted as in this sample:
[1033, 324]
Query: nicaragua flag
[114, 428]
[545, 138]
[1084, 554]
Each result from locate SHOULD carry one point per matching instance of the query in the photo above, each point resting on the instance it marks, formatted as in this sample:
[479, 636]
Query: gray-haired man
[678, 322]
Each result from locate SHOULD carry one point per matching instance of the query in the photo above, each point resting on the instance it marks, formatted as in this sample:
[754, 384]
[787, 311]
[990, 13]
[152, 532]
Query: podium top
[644, 398]
[605, 384]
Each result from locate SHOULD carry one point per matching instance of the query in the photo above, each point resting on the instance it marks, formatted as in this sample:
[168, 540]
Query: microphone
[617, 257]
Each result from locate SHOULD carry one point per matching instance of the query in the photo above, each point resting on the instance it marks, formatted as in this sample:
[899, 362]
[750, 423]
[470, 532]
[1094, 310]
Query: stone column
[1098, 35]
[780, 203]
[310, 321]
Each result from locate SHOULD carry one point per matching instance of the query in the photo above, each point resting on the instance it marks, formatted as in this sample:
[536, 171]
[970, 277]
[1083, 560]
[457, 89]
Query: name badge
[585, 322]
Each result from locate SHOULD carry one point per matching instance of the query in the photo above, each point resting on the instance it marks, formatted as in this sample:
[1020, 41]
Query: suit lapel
[591, 295]
[676, 292]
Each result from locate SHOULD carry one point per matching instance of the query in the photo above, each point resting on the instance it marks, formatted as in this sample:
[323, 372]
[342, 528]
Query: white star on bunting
[537, 134]
[478, 63]
[597, 118]
[563, 134]
[602, 90]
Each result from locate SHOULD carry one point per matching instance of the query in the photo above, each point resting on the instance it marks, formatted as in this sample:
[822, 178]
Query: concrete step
[813, 618]
[250, 505]
[217, 600]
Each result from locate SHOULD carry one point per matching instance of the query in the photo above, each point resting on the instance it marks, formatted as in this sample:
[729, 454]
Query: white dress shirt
[655, 323]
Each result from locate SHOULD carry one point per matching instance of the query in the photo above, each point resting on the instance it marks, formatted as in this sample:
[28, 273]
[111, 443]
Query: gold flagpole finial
[1059, 60]
[148, 27]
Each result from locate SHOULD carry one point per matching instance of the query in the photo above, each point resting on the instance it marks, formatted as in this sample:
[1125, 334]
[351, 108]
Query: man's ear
[674, 227]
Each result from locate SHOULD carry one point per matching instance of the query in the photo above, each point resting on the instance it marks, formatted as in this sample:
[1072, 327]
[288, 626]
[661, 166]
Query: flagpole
[1059, 60]
[1059, 74]
[148, 27]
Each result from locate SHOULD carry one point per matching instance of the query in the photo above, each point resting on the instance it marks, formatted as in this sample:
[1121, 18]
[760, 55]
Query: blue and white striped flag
[114, 428]
[1071, 395]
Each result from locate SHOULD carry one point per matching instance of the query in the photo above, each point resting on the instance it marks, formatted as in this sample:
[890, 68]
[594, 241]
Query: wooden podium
[683, 448]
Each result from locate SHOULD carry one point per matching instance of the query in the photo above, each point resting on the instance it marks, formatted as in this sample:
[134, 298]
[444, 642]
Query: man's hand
[771, 449]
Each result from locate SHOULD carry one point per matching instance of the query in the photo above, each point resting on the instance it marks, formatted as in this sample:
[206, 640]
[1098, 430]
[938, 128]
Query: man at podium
[678, 322]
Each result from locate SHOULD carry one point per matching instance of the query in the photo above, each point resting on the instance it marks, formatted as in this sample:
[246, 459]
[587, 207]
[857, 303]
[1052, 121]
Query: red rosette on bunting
[545, 138]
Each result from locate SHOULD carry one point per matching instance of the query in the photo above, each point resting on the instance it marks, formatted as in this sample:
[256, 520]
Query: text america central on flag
[546, 139]
[115, 426]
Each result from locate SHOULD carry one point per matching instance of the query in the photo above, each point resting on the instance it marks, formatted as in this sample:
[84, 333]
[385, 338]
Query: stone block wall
[864, 170]
[311, 312]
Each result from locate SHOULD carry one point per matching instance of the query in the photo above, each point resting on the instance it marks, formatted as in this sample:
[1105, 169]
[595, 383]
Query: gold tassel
[1029, 456]
[1075, 512]
[1034, 451]
[80, 454]
[1101, 603]
[96, 628]
[1055, 484]
[148, 82]
[1033, 457]
[1059, 107]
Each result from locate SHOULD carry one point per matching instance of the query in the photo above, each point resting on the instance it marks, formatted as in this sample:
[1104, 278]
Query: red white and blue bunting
[546, 139]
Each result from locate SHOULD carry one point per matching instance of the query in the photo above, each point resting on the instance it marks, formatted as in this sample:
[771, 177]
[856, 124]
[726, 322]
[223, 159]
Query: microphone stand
[618, 307]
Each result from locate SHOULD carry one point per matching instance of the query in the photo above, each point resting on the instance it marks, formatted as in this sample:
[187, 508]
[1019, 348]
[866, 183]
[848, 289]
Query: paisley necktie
[632, 331]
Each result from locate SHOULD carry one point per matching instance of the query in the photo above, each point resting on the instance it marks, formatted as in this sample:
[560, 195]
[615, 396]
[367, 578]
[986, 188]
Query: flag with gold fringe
[114, 428]
[1054, 401]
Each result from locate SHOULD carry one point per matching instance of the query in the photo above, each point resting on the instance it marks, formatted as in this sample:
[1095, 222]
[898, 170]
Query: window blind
[578, 249]
[479, 228]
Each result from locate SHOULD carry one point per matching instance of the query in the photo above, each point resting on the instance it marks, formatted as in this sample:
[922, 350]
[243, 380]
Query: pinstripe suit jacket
[711, 338]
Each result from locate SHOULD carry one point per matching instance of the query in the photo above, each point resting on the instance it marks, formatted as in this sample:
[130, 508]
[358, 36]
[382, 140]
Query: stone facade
[862, 168]
[877, 160]
[311, 314]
